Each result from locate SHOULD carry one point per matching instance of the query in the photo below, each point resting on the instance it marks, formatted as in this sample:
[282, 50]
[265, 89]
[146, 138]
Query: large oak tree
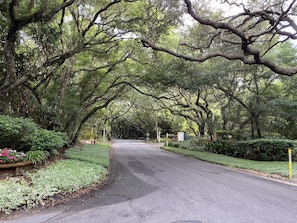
[249, 35]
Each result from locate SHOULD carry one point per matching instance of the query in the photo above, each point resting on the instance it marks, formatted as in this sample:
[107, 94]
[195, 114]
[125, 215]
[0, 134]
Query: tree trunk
[255, 126]
[201, 127]
[252, 128]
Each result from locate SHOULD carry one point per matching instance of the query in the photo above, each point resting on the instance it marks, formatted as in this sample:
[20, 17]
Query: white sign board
[180, 136]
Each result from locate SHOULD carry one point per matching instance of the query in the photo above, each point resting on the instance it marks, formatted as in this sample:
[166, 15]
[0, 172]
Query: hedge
[257, 149]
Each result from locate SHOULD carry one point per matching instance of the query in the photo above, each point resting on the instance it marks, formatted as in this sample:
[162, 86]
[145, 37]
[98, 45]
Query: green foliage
[13, 131]
[199, 141]
[90, 153]
[68, 175]
[264, 149]
[14, 193]
[46, 140]
[37, 156]
[226, 134]
[62, 177]
[87, 134]
[221, 147]
[23, 134]
[257, 149]
[196, 144]
[10, 156]
[176, 144]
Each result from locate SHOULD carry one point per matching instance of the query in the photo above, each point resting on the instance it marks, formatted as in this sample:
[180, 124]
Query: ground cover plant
[62, 177]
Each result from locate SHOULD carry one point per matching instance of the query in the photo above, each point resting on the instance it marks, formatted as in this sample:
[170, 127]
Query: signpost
[290, 163]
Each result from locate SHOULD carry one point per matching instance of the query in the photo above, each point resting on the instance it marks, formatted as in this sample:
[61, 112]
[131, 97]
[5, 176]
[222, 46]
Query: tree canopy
[73, 65]
[249, 35]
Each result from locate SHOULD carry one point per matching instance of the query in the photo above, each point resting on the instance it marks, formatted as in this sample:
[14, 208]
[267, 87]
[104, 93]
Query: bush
[13, 131]
[45, 140]
[264, 149]
[220, 147]
[173, 144]
[196, 144]
[23, 134]
[257, 149]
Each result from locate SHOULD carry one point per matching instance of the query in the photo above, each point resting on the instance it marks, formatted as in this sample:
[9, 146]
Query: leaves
[62, 177]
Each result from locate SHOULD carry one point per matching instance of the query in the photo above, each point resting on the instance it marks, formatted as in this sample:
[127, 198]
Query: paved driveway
[155, 186]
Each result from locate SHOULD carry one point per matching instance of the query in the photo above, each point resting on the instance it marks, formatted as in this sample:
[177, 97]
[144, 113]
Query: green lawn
[91, 153]
[280, 168]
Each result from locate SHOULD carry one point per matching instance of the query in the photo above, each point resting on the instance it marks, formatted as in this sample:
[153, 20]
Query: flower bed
[12, 163]
[8, 155]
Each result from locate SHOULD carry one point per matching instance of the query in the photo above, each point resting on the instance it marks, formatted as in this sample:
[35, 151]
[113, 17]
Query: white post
[167, 139]
[158, 135]
[103, 135]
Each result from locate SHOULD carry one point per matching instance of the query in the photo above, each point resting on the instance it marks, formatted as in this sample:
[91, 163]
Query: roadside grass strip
[269, 167]
[63, 177]
[91, 153]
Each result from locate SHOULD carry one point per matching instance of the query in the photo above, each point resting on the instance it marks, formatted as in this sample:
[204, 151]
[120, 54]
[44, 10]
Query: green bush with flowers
[8, 155]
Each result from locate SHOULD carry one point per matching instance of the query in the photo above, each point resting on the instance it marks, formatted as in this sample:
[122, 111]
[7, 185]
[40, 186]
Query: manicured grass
[280, 168]
[90, 153]
[83, 168]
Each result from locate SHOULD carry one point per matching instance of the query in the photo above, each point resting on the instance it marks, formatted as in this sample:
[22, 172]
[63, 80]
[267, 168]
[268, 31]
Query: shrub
[264, 149]
[257, 149]
[196, 144]
[13, 131]
[221, 147]
[23, 134]
[173, 144]
[46, 140]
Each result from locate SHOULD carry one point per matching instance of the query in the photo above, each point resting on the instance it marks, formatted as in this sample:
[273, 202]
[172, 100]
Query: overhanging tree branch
[244, 30]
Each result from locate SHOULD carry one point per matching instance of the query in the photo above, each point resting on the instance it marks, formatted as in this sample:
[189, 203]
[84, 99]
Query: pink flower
[8, 155]
[5, 152]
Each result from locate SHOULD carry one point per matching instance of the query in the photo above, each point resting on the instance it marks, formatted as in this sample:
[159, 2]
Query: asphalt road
[154, 186]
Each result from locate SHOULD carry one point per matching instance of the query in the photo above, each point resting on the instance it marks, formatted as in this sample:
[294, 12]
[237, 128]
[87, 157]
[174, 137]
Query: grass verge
[90, 153]
[278, 168]
[84, 167]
